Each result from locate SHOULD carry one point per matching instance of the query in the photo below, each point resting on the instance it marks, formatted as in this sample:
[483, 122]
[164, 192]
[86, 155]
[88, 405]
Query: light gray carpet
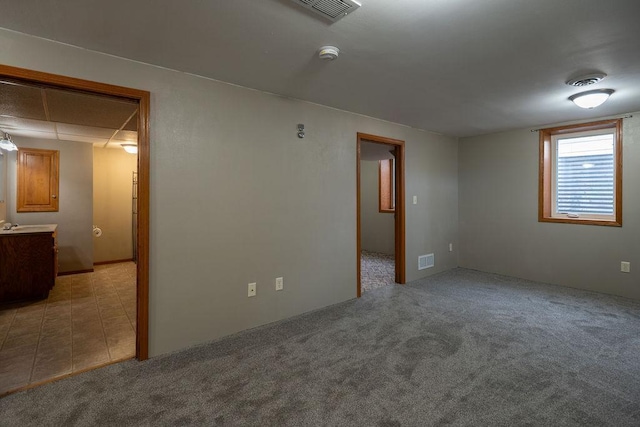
[459, 348]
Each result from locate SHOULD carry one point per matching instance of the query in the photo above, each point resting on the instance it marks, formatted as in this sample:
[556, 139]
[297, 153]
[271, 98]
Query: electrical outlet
[625, 267]
[279, 283]
[450, 247]
[251, 292]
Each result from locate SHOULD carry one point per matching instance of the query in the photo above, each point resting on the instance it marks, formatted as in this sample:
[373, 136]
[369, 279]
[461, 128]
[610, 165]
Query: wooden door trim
[400, 207]
[143, 99]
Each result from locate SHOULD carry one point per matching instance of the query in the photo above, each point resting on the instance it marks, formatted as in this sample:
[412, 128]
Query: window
[386, 186]
[581, 174]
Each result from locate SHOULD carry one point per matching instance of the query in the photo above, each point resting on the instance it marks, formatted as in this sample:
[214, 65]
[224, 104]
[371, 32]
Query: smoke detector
[586, 80]
[333, 10]
[328, 53]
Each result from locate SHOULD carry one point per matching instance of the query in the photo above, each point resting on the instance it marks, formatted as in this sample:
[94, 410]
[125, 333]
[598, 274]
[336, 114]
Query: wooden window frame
[546, 165]
[385, 186]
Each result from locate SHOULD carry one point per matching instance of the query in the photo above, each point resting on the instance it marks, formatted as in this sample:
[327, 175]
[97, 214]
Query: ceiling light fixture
[591, 98]
[130, 148]
[7, 144]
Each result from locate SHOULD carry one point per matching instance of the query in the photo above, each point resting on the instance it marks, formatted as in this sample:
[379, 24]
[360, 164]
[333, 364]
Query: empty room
[338, 212]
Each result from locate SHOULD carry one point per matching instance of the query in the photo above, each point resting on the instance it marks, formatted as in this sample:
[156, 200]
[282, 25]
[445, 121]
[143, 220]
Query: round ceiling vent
[587, 80]
[328, 53]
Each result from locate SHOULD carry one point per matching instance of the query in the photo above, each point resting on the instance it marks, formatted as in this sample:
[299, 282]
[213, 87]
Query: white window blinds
[584, 181]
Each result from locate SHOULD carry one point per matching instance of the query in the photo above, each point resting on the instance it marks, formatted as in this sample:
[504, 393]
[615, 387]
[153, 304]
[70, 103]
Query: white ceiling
[458, 67]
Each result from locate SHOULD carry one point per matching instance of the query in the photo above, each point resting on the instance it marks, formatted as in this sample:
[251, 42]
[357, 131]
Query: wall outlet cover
[625, 267]
[251, 290]
[279, 283]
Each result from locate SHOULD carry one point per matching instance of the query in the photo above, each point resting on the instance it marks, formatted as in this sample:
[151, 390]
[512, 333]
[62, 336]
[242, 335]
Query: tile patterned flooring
[88, 320]
[377, 270]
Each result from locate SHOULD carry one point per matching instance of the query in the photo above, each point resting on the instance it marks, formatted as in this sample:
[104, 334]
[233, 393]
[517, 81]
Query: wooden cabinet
[38, 176]
[28, 265]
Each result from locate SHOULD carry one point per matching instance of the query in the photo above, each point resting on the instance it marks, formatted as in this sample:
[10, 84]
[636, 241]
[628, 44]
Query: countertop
[30, 229]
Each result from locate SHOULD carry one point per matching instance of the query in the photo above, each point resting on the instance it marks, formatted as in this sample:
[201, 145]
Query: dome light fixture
[7, 144]
[130, 148]
[591, 98]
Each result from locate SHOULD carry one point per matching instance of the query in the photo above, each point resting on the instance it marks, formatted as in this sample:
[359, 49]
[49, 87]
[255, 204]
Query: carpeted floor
[376, 270]
[458, 348]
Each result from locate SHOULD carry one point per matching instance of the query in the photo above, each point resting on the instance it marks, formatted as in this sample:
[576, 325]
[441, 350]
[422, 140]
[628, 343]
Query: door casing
[399, 221]
[143, 99]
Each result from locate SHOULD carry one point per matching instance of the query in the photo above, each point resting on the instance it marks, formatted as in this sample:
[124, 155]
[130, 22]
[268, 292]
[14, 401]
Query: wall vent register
[426, 261]
[333, 10]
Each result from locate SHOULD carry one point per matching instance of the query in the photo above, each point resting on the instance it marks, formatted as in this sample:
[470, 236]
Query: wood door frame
[399, 230]
[143, 99]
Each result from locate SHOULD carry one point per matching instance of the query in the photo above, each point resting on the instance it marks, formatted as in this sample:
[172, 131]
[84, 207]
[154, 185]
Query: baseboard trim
[69, 273]
[115, 261]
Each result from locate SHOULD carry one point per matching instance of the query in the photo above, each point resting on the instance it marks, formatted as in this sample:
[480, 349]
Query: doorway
[139, 271]
[395, 204]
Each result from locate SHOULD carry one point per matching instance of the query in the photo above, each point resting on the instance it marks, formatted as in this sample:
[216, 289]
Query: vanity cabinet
[28, 263]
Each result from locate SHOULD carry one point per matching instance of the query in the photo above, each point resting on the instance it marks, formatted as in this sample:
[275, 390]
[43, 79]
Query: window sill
[582, 221]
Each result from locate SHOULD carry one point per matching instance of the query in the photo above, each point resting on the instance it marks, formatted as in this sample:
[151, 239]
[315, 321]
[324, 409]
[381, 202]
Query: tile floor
[87, 321]
[376, 270]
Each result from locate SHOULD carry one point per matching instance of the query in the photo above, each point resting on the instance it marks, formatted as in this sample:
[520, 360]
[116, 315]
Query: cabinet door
[38, 175]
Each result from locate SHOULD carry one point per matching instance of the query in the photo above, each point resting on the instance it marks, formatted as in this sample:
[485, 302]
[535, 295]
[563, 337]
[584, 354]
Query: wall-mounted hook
[300, 130]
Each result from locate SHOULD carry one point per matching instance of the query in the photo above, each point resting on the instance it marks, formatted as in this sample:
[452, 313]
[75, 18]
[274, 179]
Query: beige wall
[377, 229]
[236, 197]
[75, 211]
[112, 206]
[499, 228]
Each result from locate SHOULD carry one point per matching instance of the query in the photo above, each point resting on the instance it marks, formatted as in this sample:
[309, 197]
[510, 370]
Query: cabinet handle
[54, 196]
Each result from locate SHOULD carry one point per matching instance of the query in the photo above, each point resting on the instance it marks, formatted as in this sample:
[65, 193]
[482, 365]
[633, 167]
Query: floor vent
[426, 261]
[333, 10]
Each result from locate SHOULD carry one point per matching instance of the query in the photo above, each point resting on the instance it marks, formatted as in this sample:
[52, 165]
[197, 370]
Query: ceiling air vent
[333, 10]
[587, 80]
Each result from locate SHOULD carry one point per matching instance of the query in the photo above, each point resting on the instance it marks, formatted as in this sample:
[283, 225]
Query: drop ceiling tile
[127, 136]
[112, 144]
[21, 101]
[79, 138]
[133, 123]
[80, 130]
[88, 110]
[30, 134]
[26, 124]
